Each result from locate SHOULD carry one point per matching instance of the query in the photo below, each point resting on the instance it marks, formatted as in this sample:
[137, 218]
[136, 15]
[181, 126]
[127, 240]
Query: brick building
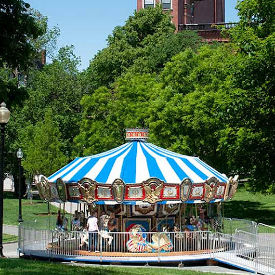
[197, 15]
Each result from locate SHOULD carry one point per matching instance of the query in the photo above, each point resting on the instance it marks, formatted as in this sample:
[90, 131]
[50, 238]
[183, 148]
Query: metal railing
[230, 225]
[77, 243]
[206, 26]
[52, 243]
[266, 247]
[245, 247]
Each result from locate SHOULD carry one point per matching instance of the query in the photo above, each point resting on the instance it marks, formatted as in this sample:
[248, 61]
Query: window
[149, 3]
[166, 4]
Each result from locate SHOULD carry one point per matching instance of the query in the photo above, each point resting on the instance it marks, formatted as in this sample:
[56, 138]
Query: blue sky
[87, 23]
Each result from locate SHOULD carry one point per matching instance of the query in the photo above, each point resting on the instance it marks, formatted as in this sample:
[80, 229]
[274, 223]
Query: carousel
[151, 204]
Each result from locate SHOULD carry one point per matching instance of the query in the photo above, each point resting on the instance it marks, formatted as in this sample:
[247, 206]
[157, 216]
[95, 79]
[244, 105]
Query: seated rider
[112, 224]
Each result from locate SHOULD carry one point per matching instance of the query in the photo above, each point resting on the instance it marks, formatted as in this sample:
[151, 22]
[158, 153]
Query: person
[59, 221]
[82, 219]
[92, 229]
[112, 224]
[76, 222]
[64, 223]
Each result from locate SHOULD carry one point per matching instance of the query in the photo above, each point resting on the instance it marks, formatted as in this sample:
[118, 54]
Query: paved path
[10, 229]
[10, 250]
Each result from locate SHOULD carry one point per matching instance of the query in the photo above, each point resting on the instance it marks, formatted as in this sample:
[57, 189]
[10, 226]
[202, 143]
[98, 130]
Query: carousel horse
[161, 242]
[104, 232]
[84, 238]
[137, 239]
[138, 242]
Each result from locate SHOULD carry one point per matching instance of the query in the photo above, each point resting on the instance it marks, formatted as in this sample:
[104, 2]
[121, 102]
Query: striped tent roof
[135, 162]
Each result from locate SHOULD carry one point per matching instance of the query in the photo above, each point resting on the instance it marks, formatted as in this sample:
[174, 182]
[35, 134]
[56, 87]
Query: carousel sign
[136, 134]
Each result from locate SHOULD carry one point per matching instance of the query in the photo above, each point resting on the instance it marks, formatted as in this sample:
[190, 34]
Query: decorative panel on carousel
[87, 189]
[197, 192]
[170, 209]
[170, 192]
[73, 192]
[43, 187]
[117, 209]
[231, 187]
[210, 188]
[61, 190]
[186, 187]
[220, 191]
[104, 192]
[144, 209]
[134, 192]
[54, 192]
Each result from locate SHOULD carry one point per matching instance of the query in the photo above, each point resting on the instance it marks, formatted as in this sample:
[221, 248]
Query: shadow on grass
[30, 267]
[254, 211]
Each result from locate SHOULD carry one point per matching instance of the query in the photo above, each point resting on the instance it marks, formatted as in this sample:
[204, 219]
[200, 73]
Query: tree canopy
[18, 26]
[215, 101]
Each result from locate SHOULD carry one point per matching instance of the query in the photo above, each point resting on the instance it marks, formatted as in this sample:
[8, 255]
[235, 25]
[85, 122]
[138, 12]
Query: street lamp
[4, 119]
[19, 156]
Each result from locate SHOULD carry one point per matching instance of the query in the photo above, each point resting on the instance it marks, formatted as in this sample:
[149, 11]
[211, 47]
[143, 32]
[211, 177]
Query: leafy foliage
[215, 101]
[17, 26]
[43, 147]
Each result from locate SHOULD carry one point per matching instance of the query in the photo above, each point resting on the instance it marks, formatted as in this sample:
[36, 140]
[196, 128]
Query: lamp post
[19, 156]
[4, 119]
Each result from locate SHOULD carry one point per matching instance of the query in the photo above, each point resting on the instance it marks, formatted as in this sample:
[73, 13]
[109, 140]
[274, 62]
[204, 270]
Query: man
[92, 228]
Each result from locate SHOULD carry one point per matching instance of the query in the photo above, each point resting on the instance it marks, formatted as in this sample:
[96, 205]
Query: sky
[86, 24]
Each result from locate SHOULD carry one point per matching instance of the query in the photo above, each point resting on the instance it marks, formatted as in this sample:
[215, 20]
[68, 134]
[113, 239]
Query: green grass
[251, 206]
[9, 238]
[34, 214]
[21, 266]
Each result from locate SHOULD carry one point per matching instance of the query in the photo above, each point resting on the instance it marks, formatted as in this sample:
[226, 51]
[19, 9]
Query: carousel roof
[135, 162]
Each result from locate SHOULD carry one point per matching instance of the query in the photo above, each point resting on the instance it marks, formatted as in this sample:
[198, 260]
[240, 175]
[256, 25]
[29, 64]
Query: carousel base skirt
[128, 254]
[123, 258]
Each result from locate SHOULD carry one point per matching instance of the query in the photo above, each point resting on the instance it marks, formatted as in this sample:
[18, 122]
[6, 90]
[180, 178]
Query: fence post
[158, 247]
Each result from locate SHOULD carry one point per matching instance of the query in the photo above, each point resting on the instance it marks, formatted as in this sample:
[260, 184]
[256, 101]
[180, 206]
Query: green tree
[144, 44]
[42, 146]
[18, 26]
[58, 87]
[107, 112]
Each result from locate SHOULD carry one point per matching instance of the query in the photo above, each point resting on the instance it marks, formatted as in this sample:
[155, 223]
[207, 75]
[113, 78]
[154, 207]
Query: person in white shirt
[92, 228]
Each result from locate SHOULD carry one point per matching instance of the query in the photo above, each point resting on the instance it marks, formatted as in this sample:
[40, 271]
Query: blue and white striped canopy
[135, 162]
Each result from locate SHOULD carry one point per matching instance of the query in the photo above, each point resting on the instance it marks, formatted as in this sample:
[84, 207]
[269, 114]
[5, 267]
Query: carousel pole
[121, 225]
[180, 217]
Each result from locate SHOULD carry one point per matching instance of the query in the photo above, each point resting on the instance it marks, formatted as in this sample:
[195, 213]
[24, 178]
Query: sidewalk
[10, 229]
[10, 249]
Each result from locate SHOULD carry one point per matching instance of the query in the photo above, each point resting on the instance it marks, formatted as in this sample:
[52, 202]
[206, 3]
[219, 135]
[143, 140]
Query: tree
[144, 44]
[58, 87]
[107, 112]
[42, 147]
[18, 26]
[121, 77]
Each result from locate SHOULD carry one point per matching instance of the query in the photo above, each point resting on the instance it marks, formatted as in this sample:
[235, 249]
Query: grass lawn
[35, 213]
[21, 266]
[251, 206]
[9, 238]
